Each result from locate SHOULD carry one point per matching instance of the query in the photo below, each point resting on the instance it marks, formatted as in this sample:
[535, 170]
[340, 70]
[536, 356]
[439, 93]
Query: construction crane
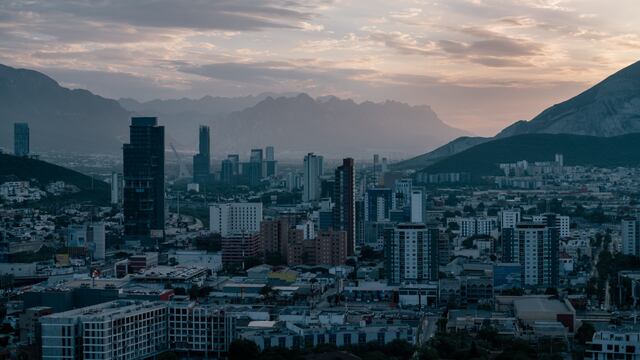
[183, 172]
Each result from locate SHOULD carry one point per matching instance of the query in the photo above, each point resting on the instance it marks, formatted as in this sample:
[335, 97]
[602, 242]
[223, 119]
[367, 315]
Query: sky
[480, 64]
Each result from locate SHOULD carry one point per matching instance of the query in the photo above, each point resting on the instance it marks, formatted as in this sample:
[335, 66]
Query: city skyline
[505, 60]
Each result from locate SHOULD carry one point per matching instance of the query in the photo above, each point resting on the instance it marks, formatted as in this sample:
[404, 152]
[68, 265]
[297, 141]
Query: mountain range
[297, 124]
[79, 121]
[610, 108]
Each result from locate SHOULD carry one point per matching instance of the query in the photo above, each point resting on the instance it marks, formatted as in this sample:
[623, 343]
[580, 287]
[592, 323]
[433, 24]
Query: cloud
[269, 72]
[243, 15]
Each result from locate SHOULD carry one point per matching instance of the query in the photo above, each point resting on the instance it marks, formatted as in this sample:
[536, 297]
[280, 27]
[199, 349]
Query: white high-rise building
[509, 219]
[411, 254]
[563, 223]
[630, 236]
[116, 188]
[235, 218]
[313, 170]
[96, 237]
[614, 345]
[417, 206]
[536, 248]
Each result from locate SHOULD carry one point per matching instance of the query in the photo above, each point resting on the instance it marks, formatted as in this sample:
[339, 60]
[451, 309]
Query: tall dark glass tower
[144, 182]
[21, 139]
[202, 160]
[344, 210]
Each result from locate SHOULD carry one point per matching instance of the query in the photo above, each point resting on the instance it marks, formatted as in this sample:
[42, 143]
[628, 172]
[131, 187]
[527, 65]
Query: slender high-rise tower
[144, 181]
[202, 160]
[312, 172]
[344, 211]
[21, 139]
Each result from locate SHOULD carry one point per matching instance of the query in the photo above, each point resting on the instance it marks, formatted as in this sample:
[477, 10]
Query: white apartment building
[471, 226]
[536, 248]
[235, 218]
[614, 345]
[204, 329]
[417, 206]
[630, 236]
[563, 223]
[134, 329]
[411, 254]
[122, 329]
[509, 219]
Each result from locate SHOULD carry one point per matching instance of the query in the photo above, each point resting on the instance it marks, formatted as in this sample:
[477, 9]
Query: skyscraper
[256, 161]
[312, 172]
[116, 188]
[235, 161]
[202, 160]
[21, 139]
[144, 181]
[344, 211]
[271, 163]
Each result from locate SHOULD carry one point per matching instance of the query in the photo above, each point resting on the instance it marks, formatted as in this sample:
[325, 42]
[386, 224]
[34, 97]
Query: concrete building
[143, 164]
[417, 206]
[377, 204]
[630, 229]
[563, 223]
[113, 330]
[116, 188]
[202, 160]
[509, 219]
[239, 247]
[235, 218]
[313, 170]
[411, 253]
[344, 210]
[614, 345]
[30, 323]
[536, 248]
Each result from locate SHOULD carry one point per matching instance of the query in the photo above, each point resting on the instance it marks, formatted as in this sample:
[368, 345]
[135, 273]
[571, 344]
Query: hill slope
[27, 169]
[610, 108]
[458, 145]
[59, 118]
[483, 159]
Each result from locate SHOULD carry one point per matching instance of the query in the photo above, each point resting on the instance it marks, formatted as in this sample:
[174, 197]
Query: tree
[168, 355]
[427, 353]
[194, 292]
[274, 259]
[180, 291]
[243, 349]
[585, 333]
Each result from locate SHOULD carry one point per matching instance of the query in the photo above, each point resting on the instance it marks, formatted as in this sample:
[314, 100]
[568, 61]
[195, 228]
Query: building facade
[143, 156]
[235, 218]
[313, 170]
[411, 253]
[202, 160]
[344, 210]
[536, 248]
